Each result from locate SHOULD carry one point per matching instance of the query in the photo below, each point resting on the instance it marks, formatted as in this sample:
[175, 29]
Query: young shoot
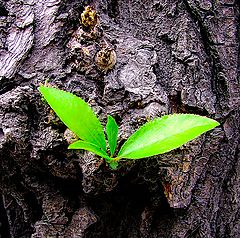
[155, 137]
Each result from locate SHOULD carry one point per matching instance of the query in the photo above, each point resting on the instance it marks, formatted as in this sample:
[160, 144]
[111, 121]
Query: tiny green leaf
[112, 133]
[76, 114]
[113, 165]
[90, 147]
[164, 134]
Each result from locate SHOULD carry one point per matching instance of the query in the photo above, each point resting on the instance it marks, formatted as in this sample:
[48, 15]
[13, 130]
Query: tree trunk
[171, 56]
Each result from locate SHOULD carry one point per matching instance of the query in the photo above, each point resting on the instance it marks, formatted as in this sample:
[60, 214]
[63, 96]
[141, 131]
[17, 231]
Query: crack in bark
[218, 82]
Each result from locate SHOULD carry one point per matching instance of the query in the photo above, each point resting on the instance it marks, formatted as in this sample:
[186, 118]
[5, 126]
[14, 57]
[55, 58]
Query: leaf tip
[70, 147]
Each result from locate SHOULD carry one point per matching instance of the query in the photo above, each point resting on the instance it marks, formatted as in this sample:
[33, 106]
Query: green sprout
[155, 137]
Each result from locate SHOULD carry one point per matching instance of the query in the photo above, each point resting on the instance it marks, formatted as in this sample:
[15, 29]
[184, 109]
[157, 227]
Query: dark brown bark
[172, 56]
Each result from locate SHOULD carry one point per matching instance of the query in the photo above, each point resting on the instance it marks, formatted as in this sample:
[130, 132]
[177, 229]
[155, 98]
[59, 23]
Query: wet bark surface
[171, 56]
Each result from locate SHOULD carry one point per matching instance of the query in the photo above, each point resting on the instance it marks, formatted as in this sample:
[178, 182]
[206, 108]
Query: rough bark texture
[172, 56]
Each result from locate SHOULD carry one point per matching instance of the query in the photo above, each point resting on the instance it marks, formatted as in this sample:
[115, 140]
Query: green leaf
[112, 133]
[90, 147]
[164, 134]
[113, 165]
[76, 114]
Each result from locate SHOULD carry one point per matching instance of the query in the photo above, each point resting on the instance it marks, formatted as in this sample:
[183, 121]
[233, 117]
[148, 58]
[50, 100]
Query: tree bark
[171, 56]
